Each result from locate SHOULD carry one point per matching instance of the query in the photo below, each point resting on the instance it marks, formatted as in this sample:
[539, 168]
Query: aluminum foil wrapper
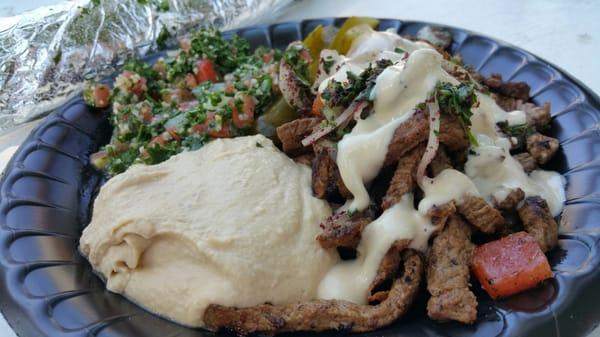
[48, 53]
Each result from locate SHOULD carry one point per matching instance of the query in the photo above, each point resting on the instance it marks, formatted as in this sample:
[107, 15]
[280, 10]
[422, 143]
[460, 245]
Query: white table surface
[566, 33]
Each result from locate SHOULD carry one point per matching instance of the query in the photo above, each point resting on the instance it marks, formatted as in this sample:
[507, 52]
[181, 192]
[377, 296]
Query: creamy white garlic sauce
[398, 89]
[449, 185]
[490, 172]
[496, 173]
[349, 280]
[491, 113]
[366, 49]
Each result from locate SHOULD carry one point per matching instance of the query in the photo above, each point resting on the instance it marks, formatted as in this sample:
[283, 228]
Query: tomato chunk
[246, 116]
[510, 265]
[223, 132]
[205, 71]
[213, 129]
[318, 106]
[101, 95]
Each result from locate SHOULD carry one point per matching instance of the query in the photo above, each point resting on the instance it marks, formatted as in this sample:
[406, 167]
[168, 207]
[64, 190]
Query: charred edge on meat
[323, 315]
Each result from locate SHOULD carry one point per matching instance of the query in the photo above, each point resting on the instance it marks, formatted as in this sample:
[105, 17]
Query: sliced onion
[342, 119]
[433, 142]
[320, 133]
[359, 108]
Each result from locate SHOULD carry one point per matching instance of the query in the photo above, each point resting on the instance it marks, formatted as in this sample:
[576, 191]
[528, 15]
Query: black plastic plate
[48, 289]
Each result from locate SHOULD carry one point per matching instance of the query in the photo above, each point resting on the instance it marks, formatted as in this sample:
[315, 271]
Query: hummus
[233, 223]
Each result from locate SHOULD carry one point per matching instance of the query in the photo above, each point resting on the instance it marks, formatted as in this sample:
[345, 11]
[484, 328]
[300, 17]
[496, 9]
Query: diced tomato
[224, 132]
[229, 88]
[161, 68]
[184, 95]
[317, 106]
[205, 71]
[246, 117]
[139, 88]
[510, 265]
[101, 95]
[199, 128]
[173, 132]
[267, 57]
[190, 81]
[146, 113]
[160, 139]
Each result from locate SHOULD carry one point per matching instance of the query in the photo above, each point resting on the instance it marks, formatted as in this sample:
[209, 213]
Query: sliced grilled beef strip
[323, 315]
[409, 134]
[542, 148]
[440, 162]
[439, 214]
[292, 133]
[326, 179]
[388, 268]
[344, 230]
[456, 305]
[538, 222]
[403, 180]
[512, 200]
[505, 102]
[518, 90]
[452, 133]
[481, 215]
[527, 161]
[415, 130]
[537, 116]
[322, 172]
[448, 274]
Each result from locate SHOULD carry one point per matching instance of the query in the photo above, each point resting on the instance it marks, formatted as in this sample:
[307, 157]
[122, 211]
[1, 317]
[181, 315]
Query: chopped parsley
[519, 130]
[57, 56]
[352, 212]
[163, 36]
[357, 87]
[327, 64]
[186, 100]
[163, 6]
[298, 57]
[457, 100]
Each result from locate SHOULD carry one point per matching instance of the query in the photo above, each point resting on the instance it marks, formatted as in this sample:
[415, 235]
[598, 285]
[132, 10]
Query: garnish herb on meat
[299, 57]
[458, 100]
[519, 130]
[357, 87]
